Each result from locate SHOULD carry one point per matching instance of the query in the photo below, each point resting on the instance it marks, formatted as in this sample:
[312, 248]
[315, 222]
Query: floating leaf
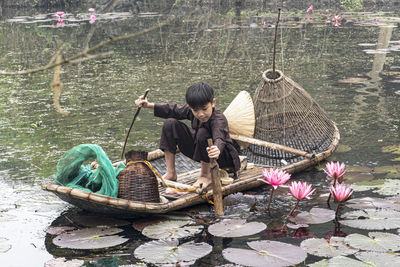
[266, 253]
[235, 228]
[322, 248]
[95, 220]
[171, 229]
[392, 171]
[357, 168]
[367, 185]
[394, 149]
[342, 148]
[358, 176]
[4, 245]
[389, 188]
[353, 80]
[58, 230]
[140, 224]
[296, 226]
[373, 202]
[372, 219]
[321, 263]
[62, 262]
[314, 216]
[168, 251]
[384, 187]
[378, 259]
[377, 241]
[90, 238]
[338, 261]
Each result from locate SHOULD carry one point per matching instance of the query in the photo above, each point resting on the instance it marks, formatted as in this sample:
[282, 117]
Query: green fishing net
[72, 173]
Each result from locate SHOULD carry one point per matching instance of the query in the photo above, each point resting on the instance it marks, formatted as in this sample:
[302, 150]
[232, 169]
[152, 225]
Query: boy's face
[203, 113]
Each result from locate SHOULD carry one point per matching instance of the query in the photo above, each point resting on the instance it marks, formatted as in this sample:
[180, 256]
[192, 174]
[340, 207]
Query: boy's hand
[142, 102]
[213, 152]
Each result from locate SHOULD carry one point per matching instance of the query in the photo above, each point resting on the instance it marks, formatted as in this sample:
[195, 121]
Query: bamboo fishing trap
[287, 115]
[289, 125]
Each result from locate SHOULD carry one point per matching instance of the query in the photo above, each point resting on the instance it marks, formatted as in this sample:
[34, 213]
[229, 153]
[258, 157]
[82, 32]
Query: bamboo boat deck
[188, 171]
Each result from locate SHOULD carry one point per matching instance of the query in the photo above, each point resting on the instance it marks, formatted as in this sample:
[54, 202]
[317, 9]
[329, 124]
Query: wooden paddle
[134, 118]
[216, 185]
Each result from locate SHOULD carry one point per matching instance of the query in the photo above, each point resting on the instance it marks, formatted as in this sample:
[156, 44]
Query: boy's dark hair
[199, 94]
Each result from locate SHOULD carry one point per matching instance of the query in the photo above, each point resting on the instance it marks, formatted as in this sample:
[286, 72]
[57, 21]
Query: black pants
[191, 143]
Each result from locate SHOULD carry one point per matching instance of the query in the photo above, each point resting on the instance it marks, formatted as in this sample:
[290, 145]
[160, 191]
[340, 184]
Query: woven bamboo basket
[137, 182]
[287, 115]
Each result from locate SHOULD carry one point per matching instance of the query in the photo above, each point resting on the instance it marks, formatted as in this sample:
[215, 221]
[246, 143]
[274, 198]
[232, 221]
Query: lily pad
[372, 219]
[314, 216]
[367, 185]
[357, 168]
[353, 80]
[386, 187]
[171, 229]
[140, 224]
[235, 228]
[342, 148]
[58, 230]
[394, 149]
[338, 261]
[322, 248]
[4, 245]
[354, 177]
[169, 251]
[97, 221]
[379, 259]
[392, 171]
[266, 253]
[373, 202]
[377, 241]
[296, 226]
[321, 263]
[90, 238]
[389, 188]
[62, 262]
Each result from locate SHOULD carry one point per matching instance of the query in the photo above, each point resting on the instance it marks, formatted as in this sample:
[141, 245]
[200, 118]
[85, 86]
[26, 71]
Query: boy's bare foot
[206, 181]
[171, 177]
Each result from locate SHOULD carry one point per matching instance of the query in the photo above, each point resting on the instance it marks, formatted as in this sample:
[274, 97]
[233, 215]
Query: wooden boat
[189, 171]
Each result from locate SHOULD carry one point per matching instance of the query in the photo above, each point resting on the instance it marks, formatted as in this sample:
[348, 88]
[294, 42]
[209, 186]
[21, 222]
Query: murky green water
[352, 71]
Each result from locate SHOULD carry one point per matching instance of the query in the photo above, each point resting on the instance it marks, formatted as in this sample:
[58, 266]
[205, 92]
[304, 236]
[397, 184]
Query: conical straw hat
[240, 115]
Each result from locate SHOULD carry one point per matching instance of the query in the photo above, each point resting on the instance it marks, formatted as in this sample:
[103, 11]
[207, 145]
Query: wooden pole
[216, 185]
[275, 146]
[130, 128]
[273, 54]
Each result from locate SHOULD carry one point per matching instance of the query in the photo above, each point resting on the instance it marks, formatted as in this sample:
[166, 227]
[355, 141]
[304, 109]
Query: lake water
[352, 70]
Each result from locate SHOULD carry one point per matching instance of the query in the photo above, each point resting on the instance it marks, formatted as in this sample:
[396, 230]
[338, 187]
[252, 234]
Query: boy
[206, 122]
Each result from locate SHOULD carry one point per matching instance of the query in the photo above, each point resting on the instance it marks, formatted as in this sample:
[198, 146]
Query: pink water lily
[310, 9]
[341, 193]
[91, 9]
[335, 170]
[60, 14]
[92, 19]
[274, 177]
[299, 190]
[336, 20]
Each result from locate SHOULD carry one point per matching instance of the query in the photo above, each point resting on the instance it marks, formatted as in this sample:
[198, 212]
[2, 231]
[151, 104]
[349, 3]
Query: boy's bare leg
[170, 162]
[205, 175]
